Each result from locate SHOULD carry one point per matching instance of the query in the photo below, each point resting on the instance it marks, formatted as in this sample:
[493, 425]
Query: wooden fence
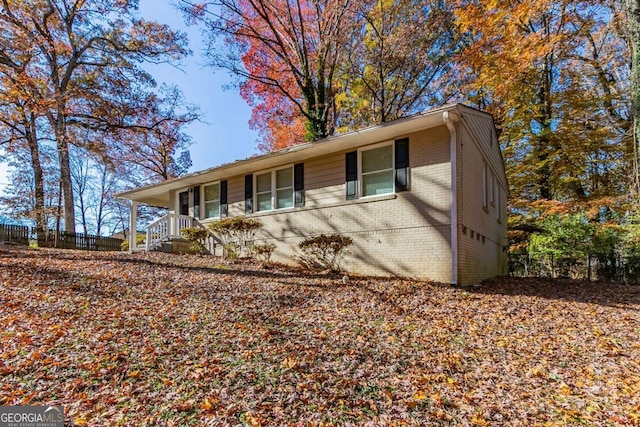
[23, 235]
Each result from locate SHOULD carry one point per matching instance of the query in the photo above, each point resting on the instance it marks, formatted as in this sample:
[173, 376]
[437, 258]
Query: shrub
[140, 239]
[236, 235]
[325, 251]
[263, 252]
[196, 236]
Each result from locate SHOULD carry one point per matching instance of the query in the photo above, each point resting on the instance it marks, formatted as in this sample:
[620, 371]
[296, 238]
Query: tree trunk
[83, 214]
[102, 201]
[633, 17]
[65, 173]
[316, 114]
[59, 125]
[544, 117]
[38, 176]
[56, 242]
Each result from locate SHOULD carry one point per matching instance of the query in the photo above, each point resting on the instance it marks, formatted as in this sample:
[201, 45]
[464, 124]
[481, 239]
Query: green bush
[631, 252]
[325, 251]
[566, 236]
[196, 236]
[236, 234]
[140, 239]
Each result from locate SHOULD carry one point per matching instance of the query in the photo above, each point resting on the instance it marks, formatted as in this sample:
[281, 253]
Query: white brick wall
[404, 234]
[479, 259]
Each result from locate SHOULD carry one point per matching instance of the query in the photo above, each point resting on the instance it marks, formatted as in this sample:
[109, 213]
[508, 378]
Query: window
[377, 174]
[492, 186]
[381, 169]
[212, 201]
[498, 207]
[484, 187]
[274, 190]
[263, 192]
[284, 188]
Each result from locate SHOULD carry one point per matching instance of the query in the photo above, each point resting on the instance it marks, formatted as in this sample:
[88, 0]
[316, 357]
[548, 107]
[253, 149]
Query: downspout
[453, 154]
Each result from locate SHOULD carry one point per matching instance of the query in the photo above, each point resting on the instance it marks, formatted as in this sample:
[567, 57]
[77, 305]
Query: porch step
[140, 248]
[165, 234]
[173, 245]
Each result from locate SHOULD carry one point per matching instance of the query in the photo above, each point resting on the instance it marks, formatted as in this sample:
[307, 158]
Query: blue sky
[223, 135]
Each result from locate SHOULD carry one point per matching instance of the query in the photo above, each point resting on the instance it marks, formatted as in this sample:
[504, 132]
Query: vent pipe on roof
[454, 195]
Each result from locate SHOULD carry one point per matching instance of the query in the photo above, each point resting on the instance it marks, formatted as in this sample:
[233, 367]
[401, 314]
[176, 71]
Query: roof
[158, 194]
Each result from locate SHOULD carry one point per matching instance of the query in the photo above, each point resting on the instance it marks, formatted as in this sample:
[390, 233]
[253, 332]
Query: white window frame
[203, 201]
[360, 184]
[273, 190]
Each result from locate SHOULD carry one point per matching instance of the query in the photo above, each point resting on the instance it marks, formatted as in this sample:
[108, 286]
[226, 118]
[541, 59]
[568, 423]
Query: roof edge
[331, 140]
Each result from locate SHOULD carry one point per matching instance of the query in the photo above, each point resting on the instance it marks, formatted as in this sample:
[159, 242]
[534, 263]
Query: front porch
[165, 234]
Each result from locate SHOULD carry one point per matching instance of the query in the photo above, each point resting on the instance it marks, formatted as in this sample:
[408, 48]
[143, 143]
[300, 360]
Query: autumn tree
[633, 22]
[21, 130]
[152, 144]
[396, 61]
[277, 120]
[552, 73]
[19, 135]
[57, 49]
[96, 180]
[288, 50]
[32, 197]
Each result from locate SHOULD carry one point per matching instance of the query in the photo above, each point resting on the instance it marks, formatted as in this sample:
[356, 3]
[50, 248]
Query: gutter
[454, 196]
[333, 144]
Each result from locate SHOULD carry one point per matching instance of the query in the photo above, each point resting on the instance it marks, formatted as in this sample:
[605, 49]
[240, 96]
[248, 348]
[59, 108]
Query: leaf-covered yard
[157, 339]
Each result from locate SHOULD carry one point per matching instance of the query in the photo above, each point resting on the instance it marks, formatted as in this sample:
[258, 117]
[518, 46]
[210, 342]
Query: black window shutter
[224, 206]
[248, 193]
[196, 202]
[298, 184]
[402, 164]
[351, 160]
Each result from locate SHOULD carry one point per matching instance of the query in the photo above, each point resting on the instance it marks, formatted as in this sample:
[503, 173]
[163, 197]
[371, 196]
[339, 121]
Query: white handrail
[170, 226]
[166, 227]
[156, 231]
[181, 221]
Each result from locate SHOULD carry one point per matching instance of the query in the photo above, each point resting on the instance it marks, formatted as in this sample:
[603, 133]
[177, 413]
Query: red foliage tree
[286, 52]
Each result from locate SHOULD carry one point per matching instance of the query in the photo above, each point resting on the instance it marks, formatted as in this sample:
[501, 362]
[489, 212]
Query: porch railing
[171, 226]
[167, 227]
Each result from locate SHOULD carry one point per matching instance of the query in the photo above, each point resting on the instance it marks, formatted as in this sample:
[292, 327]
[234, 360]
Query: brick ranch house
[423, 196]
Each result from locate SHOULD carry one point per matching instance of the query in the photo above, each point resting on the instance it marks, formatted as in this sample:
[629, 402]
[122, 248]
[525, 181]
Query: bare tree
[76, 43]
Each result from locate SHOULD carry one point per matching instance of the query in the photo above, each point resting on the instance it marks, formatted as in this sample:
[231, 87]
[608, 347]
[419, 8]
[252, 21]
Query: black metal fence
[24, 235]
[19, 234]
[610, 267]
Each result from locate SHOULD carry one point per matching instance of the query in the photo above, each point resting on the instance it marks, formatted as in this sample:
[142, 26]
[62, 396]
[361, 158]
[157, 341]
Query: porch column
[133, 231]
[171, 227]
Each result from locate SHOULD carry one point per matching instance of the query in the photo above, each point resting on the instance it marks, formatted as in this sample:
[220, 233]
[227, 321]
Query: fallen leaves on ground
[161, 339]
